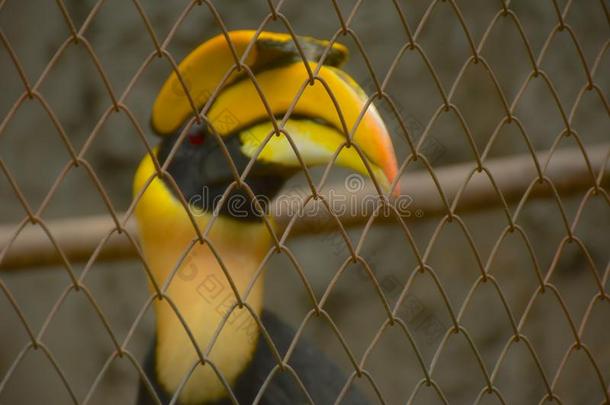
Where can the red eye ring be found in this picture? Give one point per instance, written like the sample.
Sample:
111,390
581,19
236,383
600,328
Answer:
196,136
196,139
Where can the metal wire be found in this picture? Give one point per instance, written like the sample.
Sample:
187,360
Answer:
77,285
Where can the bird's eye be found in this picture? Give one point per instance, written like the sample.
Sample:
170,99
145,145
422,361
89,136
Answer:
196,134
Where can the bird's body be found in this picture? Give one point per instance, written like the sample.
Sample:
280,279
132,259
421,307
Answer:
323,387
203,233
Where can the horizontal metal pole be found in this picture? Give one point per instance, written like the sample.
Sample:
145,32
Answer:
353,202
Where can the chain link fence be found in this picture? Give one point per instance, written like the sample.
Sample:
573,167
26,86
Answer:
489,285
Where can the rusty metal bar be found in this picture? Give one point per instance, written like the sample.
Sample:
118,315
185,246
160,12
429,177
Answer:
78,237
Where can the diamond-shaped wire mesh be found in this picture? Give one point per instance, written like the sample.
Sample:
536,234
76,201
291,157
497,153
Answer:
507,305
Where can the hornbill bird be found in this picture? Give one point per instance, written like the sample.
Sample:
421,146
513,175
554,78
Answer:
210,155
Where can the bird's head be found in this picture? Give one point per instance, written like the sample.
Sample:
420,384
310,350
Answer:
243,128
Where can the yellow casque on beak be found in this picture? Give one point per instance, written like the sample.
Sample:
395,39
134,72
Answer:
204,68
279,87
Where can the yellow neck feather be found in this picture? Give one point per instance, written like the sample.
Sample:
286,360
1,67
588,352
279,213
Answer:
199,290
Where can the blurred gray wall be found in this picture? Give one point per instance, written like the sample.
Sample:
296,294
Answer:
35,155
